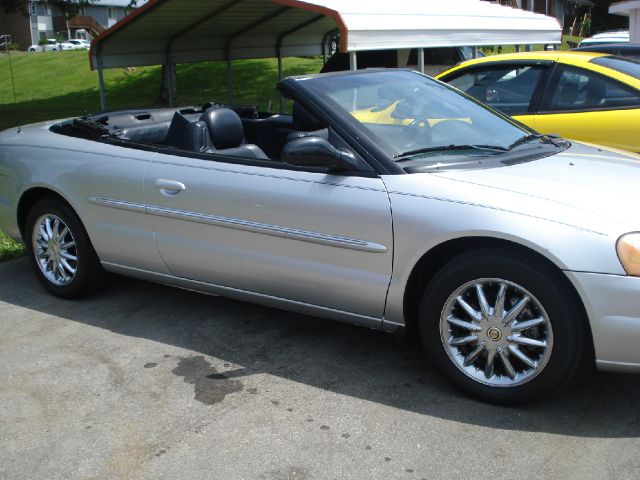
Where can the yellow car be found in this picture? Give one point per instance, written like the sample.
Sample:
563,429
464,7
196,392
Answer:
584,96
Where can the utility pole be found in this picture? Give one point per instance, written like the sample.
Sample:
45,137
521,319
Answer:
6,41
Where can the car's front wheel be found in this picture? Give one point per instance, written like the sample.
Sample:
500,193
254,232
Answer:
60,250
502,327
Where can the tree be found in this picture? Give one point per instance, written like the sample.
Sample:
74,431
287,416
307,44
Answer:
602,20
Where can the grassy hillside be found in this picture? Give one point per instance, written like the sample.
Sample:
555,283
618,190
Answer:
60,84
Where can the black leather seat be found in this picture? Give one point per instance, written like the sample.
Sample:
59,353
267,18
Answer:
305,125
187,135
227,134
152,133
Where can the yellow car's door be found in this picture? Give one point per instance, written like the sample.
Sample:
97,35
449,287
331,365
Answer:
580,104
613,128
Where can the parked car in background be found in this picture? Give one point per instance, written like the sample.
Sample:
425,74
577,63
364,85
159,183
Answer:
387,199
585,96
619,36
76,44
620,49
436,60
51,45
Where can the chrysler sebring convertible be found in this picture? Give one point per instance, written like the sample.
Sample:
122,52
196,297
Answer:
386,199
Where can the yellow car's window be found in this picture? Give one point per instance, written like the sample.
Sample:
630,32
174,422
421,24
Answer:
508,88
575,89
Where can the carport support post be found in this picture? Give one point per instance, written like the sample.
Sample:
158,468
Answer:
171,82
421,60
103,99
280,78
353,61
229,81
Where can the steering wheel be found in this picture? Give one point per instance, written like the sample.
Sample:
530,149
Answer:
417,134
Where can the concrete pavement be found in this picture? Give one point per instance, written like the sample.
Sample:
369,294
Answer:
145,381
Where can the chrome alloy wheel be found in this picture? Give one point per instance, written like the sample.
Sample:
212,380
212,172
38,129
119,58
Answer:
496,332
55,250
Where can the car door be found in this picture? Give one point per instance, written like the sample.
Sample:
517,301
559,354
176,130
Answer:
104,181
258,226
585,105
513,88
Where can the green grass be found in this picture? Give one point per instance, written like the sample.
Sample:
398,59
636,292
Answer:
53,85
568,42
9,249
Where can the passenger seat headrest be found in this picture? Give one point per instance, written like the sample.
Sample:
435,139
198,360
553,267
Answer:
303,120
225,127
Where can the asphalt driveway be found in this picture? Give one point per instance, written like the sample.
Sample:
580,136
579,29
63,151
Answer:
146,381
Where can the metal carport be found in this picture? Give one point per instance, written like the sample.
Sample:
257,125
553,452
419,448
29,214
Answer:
182,31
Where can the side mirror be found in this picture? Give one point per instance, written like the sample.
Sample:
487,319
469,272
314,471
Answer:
317,152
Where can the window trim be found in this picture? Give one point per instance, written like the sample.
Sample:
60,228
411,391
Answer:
553,80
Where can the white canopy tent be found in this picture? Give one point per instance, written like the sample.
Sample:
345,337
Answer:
183,31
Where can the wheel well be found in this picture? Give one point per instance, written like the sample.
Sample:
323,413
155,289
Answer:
438,256
29,199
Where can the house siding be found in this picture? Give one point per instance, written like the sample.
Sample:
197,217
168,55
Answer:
44,20
101,14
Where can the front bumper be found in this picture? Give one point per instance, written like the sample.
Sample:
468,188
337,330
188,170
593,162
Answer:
613,306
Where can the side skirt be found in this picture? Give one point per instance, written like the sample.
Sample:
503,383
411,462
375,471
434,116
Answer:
246,296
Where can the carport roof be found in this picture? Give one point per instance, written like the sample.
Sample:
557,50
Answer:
180,31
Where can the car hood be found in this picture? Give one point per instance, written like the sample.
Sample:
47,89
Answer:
587,187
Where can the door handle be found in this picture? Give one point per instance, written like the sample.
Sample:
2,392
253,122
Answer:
170,187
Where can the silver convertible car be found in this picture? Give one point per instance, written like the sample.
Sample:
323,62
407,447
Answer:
387,199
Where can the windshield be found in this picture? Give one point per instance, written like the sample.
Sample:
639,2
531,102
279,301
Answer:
415,116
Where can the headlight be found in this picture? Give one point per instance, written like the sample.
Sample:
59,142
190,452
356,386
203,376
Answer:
628,248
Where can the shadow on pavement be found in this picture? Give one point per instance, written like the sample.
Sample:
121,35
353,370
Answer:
348,360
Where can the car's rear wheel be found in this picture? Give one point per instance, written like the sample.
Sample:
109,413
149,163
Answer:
501,326
60,250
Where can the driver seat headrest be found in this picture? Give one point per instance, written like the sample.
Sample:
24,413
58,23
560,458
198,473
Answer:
225,127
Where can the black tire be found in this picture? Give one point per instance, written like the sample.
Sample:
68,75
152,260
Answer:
568,328
89,276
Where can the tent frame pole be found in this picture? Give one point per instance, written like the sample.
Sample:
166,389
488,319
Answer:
353,61
421,60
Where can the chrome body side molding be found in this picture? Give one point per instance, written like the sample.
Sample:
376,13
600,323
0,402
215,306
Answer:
120,204
266,229
238,224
